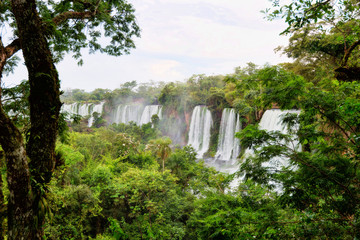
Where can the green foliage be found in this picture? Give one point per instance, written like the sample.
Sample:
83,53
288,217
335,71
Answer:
117,231
98,194
160,148
116,19
103,142
142,133
200,87
15,103
171,93
79,204
247,98
182,164
249,212
325,34
98,121
321,179
154,206
63,129
126,182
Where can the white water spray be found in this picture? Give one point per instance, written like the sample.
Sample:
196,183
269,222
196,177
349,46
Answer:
228,145
84,110
148,112
199,133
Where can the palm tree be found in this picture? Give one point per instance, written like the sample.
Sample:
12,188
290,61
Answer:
160,148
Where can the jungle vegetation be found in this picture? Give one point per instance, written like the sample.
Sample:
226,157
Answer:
64,180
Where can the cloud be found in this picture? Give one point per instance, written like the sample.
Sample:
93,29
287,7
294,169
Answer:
166,70
206,29
203,38
181,38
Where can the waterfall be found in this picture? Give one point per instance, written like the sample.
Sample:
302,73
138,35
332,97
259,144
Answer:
98,108
148,112
69,108
135,113
228,144
271,121
83,109
199,133
127,113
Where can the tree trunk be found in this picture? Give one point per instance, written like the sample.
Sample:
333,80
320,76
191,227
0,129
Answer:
20,213
44,113
2,204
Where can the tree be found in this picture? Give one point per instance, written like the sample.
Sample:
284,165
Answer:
152,202
325,29
247,101
160,147
2,199
322,179
40,30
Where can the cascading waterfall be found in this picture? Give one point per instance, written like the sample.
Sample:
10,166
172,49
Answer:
271,121
70,108
84,110
127,113
98,108
81,109
148,112
199,133
228,144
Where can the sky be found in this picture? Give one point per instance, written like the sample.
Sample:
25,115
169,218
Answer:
180,38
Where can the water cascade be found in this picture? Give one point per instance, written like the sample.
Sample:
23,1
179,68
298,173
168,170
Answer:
98,108
228,145
127,113
136,113
148,112
271,121
83,109
70,108
199,133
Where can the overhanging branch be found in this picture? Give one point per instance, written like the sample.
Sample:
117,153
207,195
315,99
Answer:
349,51
8,51
72,15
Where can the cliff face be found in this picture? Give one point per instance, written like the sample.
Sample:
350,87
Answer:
187,116
176,125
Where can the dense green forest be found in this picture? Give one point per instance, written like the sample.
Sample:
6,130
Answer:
63,179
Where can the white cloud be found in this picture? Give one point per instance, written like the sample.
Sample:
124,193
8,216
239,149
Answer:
166,70
181,38
204,38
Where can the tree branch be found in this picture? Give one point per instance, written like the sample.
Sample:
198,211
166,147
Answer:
349,51
323,173
72,15
12,48
8,51
316,5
